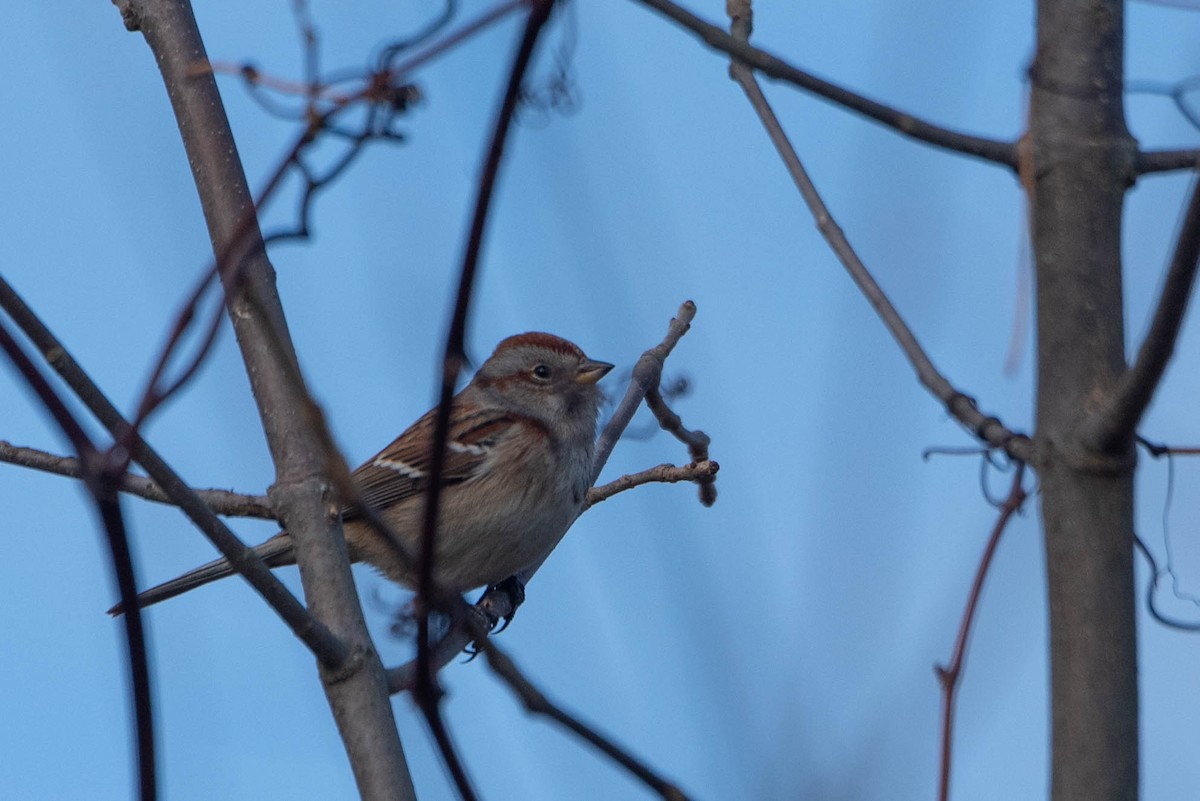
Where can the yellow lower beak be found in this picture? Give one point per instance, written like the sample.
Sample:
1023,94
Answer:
591,371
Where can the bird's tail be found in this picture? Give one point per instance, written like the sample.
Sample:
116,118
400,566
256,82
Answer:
276,552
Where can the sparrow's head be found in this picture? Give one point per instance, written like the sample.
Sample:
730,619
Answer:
547,378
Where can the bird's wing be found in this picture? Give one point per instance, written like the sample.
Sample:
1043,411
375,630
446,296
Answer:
400,471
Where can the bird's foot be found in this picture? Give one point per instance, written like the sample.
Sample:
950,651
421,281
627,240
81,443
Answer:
513,590
507,595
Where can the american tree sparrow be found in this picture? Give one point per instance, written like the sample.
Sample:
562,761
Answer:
518,465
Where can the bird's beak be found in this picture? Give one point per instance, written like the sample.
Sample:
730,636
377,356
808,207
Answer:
591,371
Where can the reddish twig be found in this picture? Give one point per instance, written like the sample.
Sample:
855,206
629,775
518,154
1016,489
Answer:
468,30
949,675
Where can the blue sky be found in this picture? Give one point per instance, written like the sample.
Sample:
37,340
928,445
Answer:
778,645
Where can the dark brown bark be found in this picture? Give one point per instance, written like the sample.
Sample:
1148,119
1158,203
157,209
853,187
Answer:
1082,165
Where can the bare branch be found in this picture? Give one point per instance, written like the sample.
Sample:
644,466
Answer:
469,29
647,375
962,407
949,676
1158,450
987,149
223,502
537,703
386,96
696,441
663,474
320,640
1166,160
1114,425
354,684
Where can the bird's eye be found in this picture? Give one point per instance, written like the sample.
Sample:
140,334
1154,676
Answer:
541,372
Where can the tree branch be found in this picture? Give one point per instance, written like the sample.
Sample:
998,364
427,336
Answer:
962,407
1115,425
1166,160
663,474
355,687
697,441
536,702
992,150
223,502
647,375
1158,450
319,639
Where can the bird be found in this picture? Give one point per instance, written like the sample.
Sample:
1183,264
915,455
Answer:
518,465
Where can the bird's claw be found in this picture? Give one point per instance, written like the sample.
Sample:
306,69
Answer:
514,590
485,621
512,587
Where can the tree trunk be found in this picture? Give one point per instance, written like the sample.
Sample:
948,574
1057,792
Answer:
1082,165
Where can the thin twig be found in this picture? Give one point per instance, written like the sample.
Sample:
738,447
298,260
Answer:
961,406
1157,450
663,474
949,675
647,375
101,485
320,640
231,257
423,34
378,90
223,502
697,441
906,124
536,702
300,230
1156,575
953,450
1166,160
1113,426
364,85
